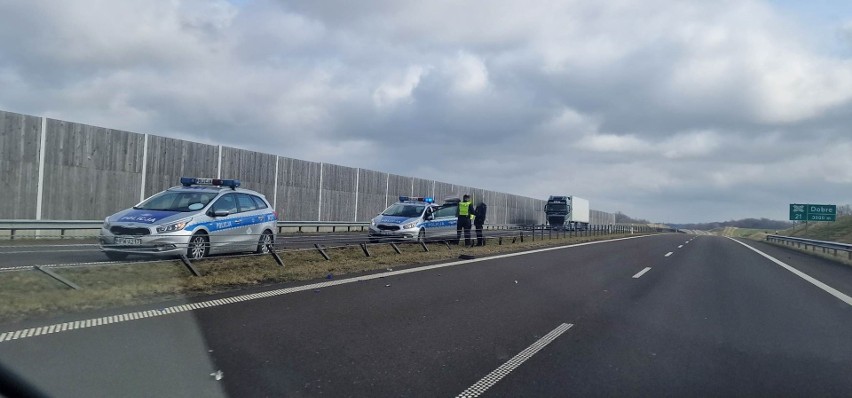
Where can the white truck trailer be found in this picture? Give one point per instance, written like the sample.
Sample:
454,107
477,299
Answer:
567,212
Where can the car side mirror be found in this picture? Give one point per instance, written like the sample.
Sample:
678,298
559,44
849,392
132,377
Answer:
221,213
429,216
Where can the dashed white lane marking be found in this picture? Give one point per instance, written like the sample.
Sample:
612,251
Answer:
832,291
669,254
492,378
75,325
681,246
642,272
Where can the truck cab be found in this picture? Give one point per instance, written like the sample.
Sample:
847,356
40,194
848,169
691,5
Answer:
567,212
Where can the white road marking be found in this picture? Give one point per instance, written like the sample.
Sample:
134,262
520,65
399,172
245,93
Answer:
642,272
280,292
94,250
832,291
492,378
681,246
669,254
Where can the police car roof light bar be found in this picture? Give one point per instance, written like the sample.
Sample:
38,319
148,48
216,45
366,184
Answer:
416,199
190,181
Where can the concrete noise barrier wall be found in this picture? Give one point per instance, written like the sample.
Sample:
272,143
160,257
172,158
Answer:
58,170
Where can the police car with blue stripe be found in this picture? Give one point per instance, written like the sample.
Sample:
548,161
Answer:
416,219
201,216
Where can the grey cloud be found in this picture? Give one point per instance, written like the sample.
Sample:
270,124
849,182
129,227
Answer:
672,111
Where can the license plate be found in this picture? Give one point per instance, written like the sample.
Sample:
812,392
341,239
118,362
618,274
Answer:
128,241
386,232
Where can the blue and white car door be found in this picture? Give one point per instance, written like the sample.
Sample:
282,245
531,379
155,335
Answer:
443,223
251,219
227,233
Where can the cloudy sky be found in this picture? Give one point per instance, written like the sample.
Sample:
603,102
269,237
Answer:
674,111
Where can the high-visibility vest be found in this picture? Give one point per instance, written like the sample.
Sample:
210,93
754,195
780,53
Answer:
464,208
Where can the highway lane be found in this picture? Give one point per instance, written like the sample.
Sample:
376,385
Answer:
58,252
649,316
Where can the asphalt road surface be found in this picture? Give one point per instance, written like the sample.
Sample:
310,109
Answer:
663,315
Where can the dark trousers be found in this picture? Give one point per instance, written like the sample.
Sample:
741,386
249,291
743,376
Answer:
463,223
480,240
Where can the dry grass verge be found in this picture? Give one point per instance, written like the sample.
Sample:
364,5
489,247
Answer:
31,294
841,257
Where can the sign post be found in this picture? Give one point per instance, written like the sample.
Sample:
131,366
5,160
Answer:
812,212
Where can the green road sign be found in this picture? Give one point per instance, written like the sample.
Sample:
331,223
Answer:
810,212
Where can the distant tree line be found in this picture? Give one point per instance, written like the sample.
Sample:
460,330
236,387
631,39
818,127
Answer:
621,218
753,223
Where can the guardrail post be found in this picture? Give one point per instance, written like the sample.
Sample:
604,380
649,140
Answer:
58,277
395,247
275,256
423,245
322,251
188,265
364,248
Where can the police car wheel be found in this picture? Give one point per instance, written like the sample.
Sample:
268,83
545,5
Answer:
264,242
116,256
198,247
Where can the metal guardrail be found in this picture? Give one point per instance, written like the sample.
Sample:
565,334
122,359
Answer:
14,226
802,243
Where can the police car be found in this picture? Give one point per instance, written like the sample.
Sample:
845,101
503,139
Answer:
200,217
415,218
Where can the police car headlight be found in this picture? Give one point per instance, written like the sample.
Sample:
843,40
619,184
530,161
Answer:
175,226
106,223
409,225
373,222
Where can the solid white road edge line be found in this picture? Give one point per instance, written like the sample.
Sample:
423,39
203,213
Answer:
832,291
73,325
669,254
642,272
492,378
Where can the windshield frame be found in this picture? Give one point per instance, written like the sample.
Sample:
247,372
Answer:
419,208
177,199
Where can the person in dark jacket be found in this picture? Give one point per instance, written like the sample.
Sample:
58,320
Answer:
479,221
464,213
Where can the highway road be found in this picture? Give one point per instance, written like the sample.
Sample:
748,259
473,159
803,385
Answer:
661,315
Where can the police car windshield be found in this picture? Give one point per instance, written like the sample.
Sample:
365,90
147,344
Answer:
177,201
404,210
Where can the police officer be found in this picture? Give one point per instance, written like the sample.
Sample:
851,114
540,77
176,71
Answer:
479,221
464,213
